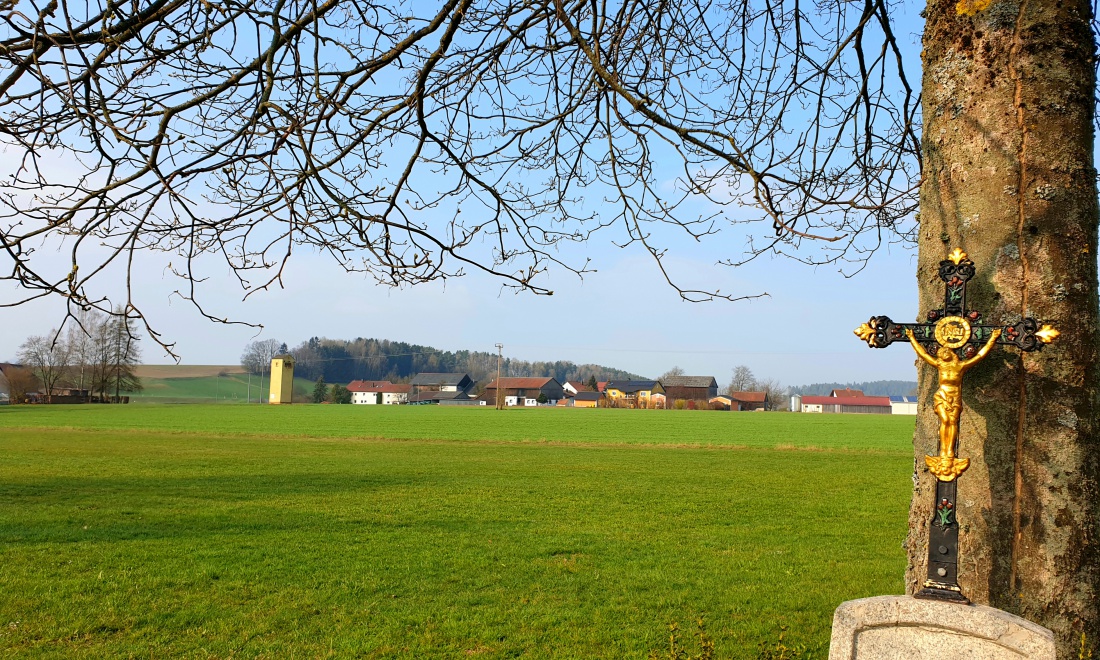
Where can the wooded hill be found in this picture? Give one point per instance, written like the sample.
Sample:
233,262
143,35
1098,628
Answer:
342,361
870,388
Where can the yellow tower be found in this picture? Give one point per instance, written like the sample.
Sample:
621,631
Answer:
282,379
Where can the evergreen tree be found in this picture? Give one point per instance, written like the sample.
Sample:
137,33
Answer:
123,353
340,394
320,390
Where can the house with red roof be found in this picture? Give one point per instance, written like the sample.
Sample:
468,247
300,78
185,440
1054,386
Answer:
378,392
750,401
571,387
875,405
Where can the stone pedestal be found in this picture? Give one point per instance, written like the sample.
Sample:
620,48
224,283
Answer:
906,628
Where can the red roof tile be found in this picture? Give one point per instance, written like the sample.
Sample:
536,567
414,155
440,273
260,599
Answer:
847,400
383,386
749,397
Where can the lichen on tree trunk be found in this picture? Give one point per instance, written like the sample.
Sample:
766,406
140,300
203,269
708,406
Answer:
1008,177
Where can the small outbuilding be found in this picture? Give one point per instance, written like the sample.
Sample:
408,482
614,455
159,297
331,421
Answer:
751,401
589,400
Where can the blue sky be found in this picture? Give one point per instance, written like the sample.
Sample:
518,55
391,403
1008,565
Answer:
623,315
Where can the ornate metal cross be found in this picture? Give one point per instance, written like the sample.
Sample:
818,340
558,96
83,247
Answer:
953,340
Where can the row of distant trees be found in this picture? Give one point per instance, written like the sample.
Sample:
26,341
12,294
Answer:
97,353
342,361
322,393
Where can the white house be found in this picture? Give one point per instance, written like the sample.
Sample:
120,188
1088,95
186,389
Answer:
378,392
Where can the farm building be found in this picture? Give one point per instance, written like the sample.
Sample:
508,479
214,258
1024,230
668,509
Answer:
588,400
698,388
433,388
426,382
750,401
879,405
846,392
378,392
524,391
721,402
571,387
903,405
431,396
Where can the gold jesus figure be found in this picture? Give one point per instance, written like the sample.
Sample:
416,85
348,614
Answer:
947,403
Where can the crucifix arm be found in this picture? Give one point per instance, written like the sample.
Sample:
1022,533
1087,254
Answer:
920,349
985,349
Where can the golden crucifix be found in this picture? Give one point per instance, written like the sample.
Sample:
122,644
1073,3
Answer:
959,340
947,403
955,329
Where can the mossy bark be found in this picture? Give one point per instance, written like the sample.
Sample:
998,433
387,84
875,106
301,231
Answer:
1009,178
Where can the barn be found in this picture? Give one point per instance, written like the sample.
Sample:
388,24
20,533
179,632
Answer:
874,405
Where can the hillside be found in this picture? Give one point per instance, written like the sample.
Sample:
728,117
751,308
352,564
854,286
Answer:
341,361
202,384
186,370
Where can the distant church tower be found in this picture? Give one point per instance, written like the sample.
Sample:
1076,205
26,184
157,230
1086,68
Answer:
282,379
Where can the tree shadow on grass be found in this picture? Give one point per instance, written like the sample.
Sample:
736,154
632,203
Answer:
82,509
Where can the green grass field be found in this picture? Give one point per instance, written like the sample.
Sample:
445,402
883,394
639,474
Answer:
412,532
230,388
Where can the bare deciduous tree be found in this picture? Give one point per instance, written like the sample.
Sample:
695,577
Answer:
47,358
257,355
21,382
415,144
742,379
776,393
671,373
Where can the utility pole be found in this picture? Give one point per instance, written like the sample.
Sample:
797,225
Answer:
500,354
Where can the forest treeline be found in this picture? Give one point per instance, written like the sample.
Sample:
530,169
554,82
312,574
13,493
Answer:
342,361
870,388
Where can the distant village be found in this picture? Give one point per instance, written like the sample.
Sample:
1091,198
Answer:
460,389
75,371
677,392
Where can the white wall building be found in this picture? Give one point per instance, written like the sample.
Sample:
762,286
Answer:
378,392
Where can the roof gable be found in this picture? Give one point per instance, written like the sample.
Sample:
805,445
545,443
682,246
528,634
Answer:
523,383
429,379
689,381
632,385
750,397
384,386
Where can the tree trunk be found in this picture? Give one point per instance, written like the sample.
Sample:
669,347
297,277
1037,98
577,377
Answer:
1009,178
